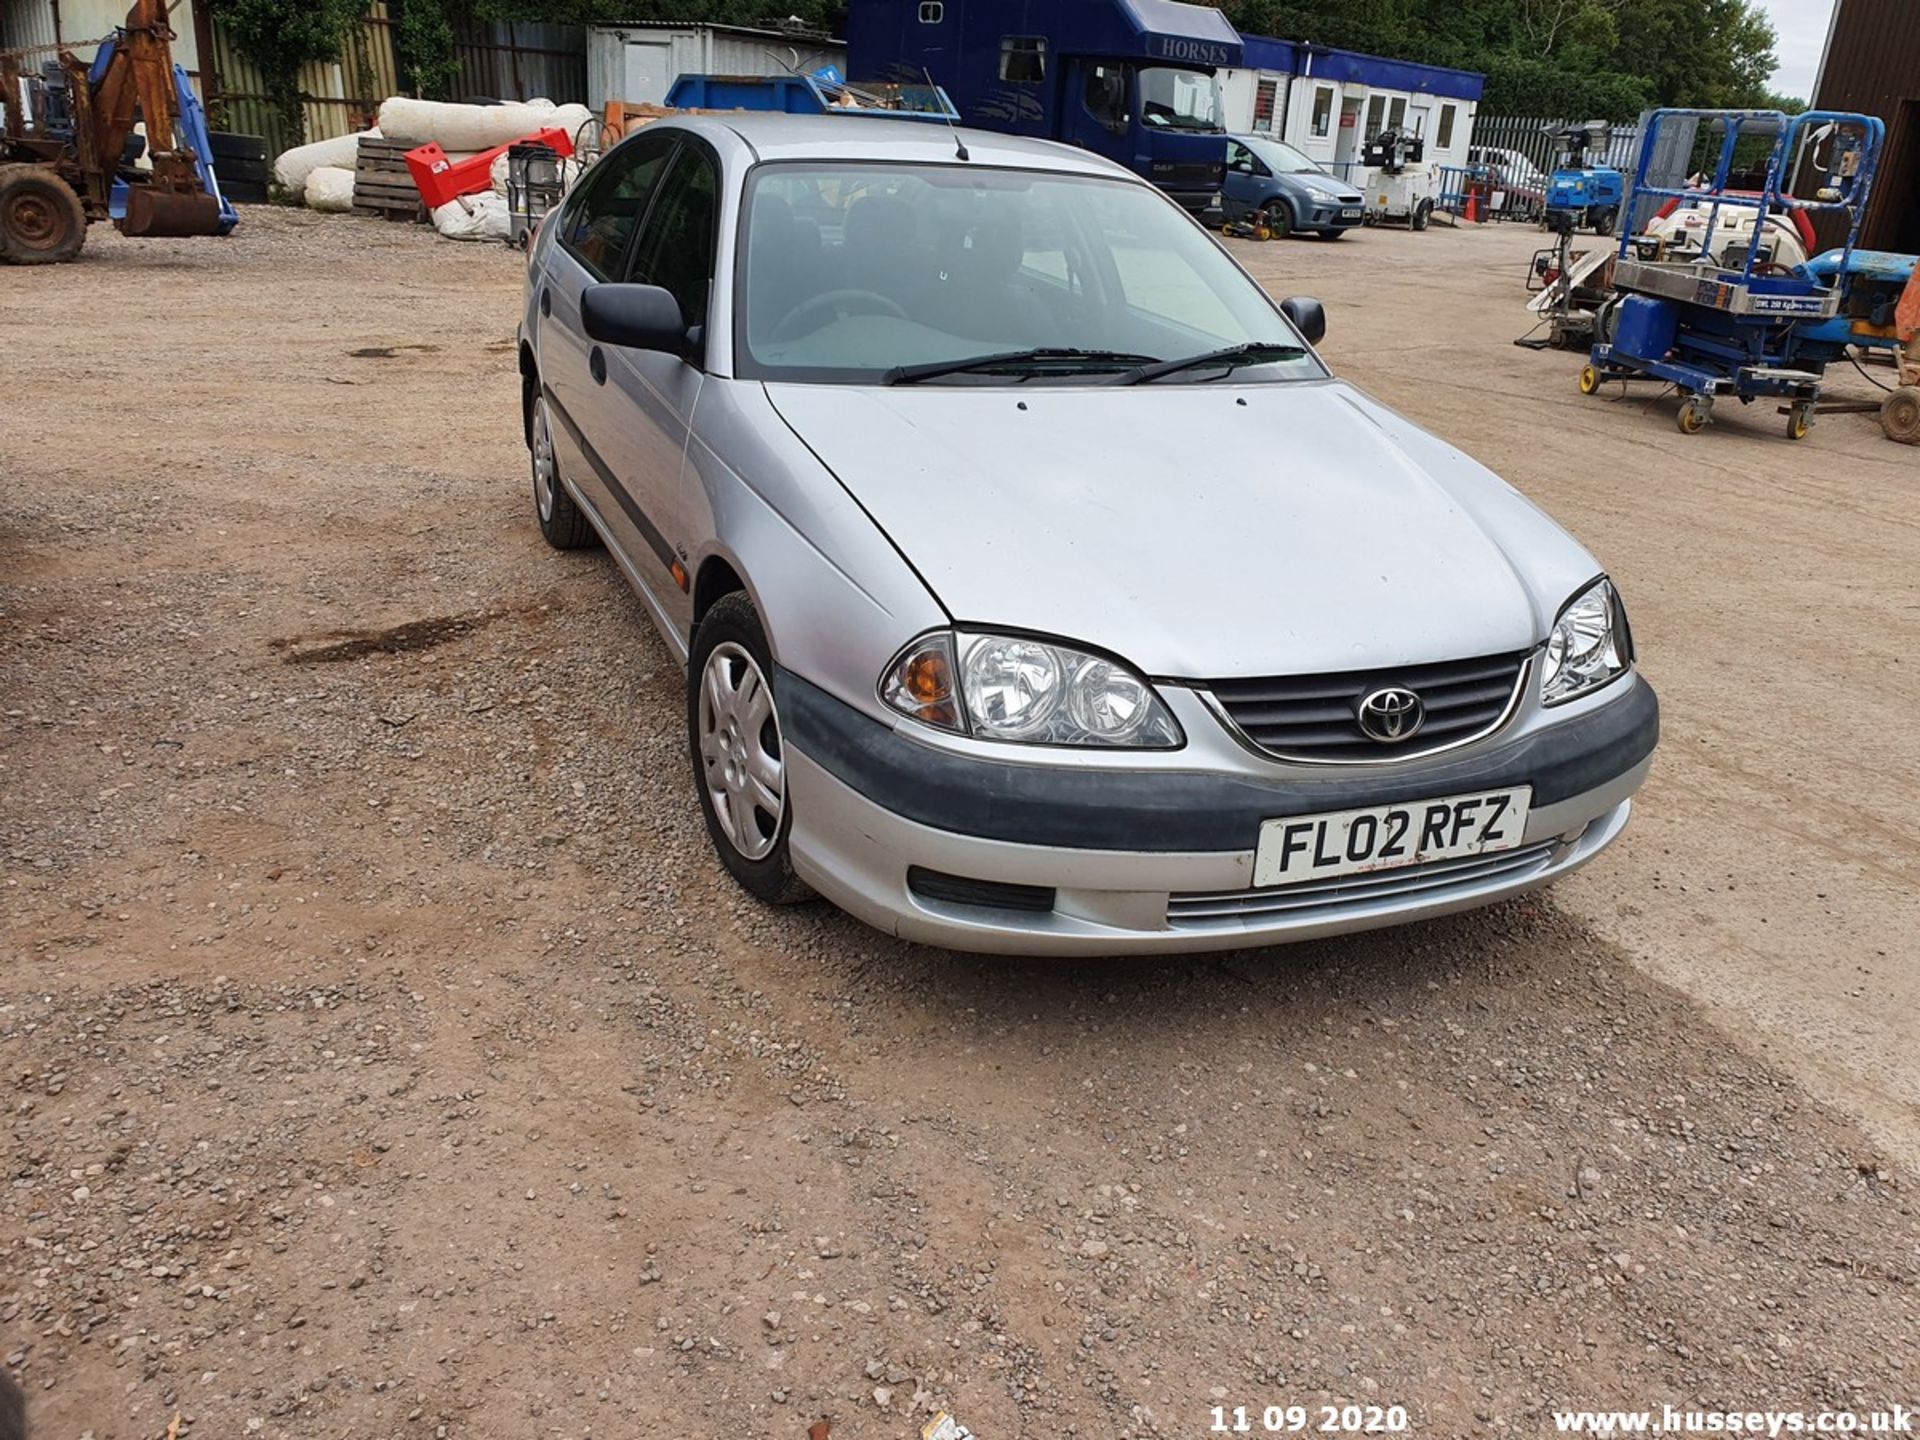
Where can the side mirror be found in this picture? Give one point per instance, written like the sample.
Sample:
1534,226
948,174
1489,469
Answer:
1309,317
638,317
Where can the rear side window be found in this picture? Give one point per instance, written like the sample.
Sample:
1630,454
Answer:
676,248
599,226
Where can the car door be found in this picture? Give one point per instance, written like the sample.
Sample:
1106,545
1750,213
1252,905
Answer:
597,228
652,392
1246,186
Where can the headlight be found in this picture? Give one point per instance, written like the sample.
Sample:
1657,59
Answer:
1013,687
1588,646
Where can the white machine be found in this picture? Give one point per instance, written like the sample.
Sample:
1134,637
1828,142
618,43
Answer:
1401,189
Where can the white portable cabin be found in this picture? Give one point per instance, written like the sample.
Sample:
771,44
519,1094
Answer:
638,61
1328,103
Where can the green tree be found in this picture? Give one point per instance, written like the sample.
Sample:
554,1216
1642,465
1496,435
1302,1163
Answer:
279,36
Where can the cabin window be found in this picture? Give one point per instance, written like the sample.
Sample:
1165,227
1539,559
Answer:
1023,59
1322,111
1376,116
1397,115
1444,136
1263,94
932,12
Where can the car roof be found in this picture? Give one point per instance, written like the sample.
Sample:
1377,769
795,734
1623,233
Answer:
774,136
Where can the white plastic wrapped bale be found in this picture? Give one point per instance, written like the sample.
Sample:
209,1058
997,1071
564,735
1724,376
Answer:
293,167
474,127
473,217
330,188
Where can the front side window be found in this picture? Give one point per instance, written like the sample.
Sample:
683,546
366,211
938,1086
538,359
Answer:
598,226
675,250
1239,158
1105,95
1179,99
1023,59
1322,111
849,272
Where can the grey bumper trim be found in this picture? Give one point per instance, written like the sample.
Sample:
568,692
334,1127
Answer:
1164,811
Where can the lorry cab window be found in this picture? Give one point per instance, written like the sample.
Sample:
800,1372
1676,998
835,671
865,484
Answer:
1179,99
1106,94
1023,59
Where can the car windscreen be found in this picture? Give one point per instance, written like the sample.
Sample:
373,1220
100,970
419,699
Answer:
1283,159
851,272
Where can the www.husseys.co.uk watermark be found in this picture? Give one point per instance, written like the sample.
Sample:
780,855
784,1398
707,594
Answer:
1670,1420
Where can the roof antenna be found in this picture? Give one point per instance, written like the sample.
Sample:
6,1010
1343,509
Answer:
959,145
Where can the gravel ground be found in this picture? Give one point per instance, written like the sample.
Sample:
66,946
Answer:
387,1055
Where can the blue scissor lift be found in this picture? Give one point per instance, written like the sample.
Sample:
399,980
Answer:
1712,323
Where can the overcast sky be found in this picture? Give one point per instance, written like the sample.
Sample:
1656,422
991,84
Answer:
1801,26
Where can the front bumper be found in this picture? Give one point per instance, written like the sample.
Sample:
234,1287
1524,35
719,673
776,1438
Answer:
1162,861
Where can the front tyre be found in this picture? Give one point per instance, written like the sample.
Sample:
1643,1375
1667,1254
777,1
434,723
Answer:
739,754
1279,218
561,521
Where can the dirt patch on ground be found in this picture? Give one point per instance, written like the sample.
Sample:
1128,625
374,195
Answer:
386,1054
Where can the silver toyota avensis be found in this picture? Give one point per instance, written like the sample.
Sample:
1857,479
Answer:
1039,588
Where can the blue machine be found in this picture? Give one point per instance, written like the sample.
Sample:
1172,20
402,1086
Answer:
1592,194
1132,80
1709,329
821,93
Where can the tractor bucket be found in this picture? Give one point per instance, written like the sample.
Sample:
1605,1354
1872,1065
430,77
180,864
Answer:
167,212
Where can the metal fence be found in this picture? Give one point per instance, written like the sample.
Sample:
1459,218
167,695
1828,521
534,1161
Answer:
1527,134
337,97
521,61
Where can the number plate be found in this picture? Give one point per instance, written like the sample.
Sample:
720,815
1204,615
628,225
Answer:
1385,837
1351,212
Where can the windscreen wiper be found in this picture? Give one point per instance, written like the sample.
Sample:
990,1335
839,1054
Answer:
1259,352
1008,359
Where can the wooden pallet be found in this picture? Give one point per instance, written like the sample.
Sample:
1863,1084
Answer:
382,185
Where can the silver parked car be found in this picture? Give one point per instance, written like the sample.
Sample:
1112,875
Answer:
1040,590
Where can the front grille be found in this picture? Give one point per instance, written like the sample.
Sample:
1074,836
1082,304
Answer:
1314,717
1431,881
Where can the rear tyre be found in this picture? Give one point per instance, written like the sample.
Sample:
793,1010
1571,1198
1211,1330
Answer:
561,521
1900,415
739,754
1421,213
1279,219
41,219
1605,220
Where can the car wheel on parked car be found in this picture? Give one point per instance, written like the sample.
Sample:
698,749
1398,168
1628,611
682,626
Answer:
561,521
1279,219
739,758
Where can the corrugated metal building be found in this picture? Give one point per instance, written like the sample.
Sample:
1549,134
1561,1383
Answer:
1872,64
638,62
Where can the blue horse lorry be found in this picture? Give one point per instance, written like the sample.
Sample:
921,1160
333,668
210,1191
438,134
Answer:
1133,80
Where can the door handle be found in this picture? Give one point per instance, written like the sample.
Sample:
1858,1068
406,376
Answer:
597,365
